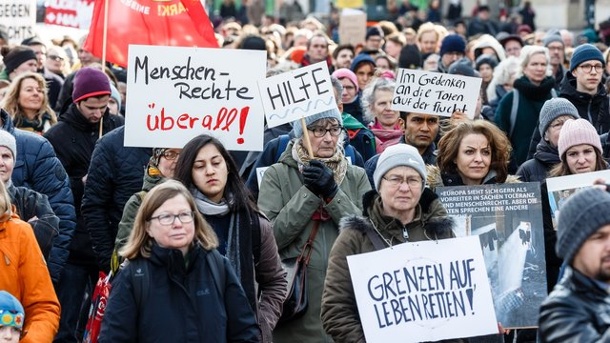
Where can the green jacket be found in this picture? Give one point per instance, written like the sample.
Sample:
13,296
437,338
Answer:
290,205
339,309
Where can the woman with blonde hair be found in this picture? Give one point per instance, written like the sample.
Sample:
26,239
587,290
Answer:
176,287
28,103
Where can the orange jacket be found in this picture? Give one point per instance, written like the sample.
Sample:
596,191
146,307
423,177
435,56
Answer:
24,274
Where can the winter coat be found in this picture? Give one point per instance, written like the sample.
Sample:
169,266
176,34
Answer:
181,304
576,311
437,179
74,138
24,274
531,99
339,309
537,168
360,137
38,168
115,174
593,108
30,204
290,207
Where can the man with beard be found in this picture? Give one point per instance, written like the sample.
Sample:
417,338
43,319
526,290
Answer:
577,309
420,131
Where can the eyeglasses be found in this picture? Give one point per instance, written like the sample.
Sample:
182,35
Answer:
412,182
170,155
55,58
588,67
558,125
321,131
168,219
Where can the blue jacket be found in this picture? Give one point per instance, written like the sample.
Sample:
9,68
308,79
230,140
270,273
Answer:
38,168
178,303
115,174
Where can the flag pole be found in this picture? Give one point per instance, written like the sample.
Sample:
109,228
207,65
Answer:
105,35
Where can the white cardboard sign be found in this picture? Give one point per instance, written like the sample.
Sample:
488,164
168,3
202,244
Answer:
436,93
299,93
177,93
423,291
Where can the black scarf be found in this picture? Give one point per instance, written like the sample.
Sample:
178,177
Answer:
533,92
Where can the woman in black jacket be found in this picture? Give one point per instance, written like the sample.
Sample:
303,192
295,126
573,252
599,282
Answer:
176,287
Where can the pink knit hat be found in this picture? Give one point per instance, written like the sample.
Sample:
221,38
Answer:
343,73
576,132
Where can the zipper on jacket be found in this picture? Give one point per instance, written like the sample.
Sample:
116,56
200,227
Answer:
405,233
589,111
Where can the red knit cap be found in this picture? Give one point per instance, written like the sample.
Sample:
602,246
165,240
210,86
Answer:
90,82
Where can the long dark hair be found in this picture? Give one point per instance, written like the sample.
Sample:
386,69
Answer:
242,198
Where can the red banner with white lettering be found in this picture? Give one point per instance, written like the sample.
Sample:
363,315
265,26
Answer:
148,22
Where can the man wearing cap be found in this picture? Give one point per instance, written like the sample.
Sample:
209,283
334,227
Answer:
401,209
54,82
584,86
577,309
74,138
552,41
453,47
512,44
306,196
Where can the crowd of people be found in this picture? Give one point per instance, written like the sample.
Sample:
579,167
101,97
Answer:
195,236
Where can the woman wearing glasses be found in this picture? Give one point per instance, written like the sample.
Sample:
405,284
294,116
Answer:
161,167
176,287
245,236
400,210
57,61
305,196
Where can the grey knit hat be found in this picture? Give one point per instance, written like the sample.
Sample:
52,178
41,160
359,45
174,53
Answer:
553,109
331,114
7,140
399,155
552,36
583,214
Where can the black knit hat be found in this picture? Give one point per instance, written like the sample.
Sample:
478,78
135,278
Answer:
453,43
486,59
410,57
582,215
17,56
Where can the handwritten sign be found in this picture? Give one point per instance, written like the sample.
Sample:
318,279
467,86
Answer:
424,291
18,18
507,218
352,26
441,94
177,93
299,93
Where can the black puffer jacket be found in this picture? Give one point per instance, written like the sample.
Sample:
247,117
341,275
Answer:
115,174
578,310
537,168
74,138
592,108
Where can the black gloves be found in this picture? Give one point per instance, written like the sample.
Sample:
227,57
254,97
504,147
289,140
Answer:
318,178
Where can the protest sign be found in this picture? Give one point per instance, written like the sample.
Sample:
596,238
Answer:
299,93
560,188
348,4
18,17
508,220
70,13
435,93
177,93
423,291
352,26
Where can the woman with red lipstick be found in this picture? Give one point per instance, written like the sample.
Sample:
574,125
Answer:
471,153
245,236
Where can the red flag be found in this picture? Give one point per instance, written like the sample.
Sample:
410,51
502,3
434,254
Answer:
148,22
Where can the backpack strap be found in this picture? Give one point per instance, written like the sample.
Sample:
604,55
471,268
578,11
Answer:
216,263
284,139
375,238
513,112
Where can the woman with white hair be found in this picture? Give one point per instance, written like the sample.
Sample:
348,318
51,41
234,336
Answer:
518,117
385,123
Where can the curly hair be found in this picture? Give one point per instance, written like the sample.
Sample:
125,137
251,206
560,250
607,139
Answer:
449,145
11,100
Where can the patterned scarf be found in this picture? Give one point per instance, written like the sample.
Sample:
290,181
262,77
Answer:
337,162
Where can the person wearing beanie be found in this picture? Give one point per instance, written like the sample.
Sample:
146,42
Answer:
485,65
553,115
114,103
453,47
576,310
24,274
373,40
17,60
363,66
350,96
410,57
580,149
304,197
12,316
552,41
73,138
161,167
400,210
